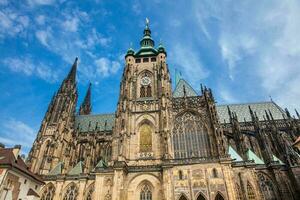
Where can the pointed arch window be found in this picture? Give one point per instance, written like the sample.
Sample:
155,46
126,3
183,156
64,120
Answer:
267,187
238,192
146,193
145,138
190,137
90,192
250,192
71,193
215,173
182,197
201,197
219,197
48,193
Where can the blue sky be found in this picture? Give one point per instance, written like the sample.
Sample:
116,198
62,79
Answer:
245,51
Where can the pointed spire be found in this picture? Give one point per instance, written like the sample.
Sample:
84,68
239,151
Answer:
147,40
86,106
72,74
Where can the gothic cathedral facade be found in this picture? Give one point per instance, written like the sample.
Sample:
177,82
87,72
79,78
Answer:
164,144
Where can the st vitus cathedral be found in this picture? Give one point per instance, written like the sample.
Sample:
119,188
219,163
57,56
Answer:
164,144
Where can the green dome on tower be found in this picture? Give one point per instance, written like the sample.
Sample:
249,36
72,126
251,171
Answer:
161,49
130,52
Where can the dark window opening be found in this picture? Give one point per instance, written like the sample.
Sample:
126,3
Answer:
180,175
138,60
145,59
142,92
153,59
215,173
149,91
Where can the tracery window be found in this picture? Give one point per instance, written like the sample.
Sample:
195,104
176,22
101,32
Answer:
71,193
238,192
146,193
190,137
89,195
250,192
48,193
267,187
145,138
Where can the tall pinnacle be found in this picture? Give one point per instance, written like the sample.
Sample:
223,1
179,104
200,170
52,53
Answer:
72,74
86,107
147,40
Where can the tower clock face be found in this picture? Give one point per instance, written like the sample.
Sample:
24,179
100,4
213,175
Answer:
145,81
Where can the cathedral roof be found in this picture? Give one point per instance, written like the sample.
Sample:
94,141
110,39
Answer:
78,169
179,89
102,122
57,169
243,114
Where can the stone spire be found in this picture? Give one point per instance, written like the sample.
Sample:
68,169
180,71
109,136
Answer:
72,74
86,106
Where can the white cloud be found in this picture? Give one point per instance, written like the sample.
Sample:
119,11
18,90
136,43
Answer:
16,132
186,59
41,2
106,67
71,24
43,36
40,19
260,40
12,23
26,66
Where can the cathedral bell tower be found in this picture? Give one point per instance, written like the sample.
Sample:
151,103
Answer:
142,126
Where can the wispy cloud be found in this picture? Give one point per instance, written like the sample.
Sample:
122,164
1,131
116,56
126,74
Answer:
187,59
12,23
105,67
15,132
26,66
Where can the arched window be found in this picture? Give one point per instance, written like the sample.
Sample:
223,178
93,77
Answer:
200,197
219,197
48,193
145,138
142,91
215,173
146,193
180,175
267,187
238,192
149,93
190,137
89,195
250,192
182,197
71,193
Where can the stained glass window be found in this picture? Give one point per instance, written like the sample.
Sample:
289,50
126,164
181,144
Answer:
190,137
250,192
71,193
48,193
146,193
267,187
